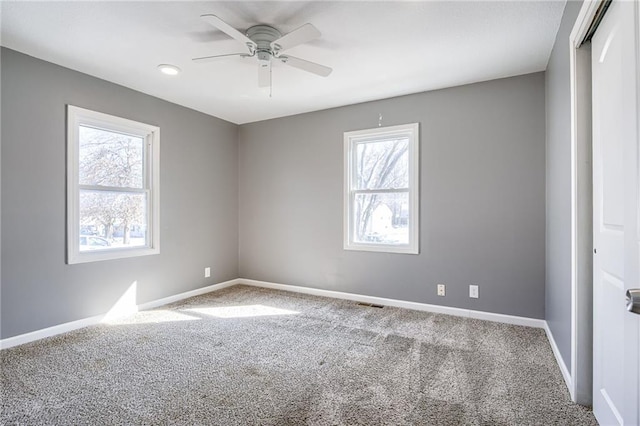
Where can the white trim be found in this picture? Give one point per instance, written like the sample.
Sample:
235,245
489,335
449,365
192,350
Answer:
467,313
578,32
412,132
85,322
151,134
49,331
556,352
583,22
574,232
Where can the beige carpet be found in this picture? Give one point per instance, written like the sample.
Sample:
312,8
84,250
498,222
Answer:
253,356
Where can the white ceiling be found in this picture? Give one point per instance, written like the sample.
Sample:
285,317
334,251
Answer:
376,49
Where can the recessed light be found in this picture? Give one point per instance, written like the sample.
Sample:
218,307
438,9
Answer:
169,69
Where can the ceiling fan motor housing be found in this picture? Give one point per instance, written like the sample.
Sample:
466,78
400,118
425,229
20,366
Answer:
266,43
263,35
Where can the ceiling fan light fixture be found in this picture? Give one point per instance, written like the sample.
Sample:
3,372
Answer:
169,69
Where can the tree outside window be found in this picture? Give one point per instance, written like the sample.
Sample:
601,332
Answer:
111,169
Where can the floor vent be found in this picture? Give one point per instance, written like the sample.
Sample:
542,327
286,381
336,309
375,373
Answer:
370,305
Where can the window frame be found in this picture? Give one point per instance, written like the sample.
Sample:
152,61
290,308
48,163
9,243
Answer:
77,117
351,140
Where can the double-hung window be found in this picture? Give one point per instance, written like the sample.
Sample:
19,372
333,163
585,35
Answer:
381,189
113,194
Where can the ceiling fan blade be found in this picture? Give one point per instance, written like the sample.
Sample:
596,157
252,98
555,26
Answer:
264,74
205,59
309,66
213,20
305,33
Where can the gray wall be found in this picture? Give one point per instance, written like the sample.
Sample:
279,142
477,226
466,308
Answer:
558,178
199,199
279,183
482,210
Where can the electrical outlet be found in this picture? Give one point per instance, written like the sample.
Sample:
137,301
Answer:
441,290
473,291
207,272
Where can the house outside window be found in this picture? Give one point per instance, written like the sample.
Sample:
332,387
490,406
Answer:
113,193
381,194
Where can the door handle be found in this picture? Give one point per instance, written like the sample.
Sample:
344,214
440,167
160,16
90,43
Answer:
633,300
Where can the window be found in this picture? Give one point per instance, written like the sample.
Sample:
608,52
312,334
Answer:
112,187
381,189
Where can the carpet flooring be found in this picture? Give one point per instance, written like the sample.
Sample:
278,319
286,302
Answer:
250,356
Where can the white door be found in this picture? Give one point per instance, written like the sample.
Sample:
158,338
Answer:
616,382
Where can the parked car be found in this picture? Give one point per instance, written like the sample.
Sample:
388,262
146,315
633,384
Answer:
373,237
92,242
89,230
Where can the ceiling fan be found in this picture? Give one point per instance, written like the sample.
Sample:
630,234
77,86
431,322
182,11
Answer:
267,44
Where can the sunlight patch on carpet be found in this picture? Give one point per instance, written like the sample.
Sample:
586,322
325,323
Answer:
152,317
242,311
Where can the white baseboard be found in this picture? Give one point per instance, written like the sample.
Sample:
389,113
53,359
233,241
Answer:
85,322
49,331
563,367
468,313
